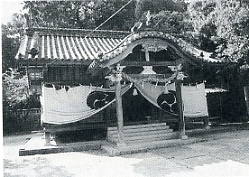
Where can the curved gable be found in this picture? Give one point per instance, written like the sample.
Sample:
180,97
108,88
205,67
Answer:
151,41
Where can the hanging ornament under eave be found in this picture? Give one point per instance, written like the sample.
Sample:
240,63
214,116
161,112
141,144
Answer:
181,76
148,70
134,92
166,89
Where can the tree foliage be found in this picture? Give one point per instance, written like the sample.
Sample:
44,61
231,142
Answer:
89,14
162,15
11,34
223,24
86,14
15,87
9,50
158,6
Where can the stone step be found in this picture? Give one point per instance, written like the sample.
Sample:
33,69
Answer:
143,129
138,126
114,134
137,147
142,133
147,138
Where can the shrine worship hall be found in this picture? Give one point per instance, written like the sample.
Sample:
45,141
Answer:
123,87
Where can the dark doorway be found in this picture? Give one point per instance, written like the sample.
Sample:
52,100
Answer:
136,107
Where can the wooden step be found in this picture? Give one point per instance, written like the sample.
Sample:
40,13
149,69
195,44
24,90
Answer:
138,126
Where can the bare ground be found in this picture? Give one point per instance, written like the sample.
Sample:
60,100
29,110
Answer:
222,154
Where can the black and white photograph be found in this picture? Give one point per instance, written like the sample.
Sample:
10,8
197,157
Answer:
125,88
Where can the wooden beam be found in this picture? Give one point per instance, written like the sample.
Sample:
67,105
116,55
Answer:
50,62
150,63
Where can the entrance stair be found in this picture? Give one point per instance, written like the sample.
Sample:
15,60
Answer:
142,133
140,138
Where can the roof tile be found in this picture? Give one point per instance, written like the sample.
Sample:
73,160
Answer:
65,44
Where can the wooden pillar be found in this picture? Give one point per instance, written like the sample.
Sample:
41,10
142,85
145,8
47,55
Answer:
47,138
147,54
119,108
246,93
206,118
182,134
206,122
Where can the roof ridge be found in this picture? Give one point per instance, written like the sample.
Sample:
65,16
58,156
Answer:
77,31
74,29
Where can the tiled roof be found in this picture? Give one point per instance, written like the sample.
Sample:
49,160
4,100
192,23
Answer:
40,44
65,44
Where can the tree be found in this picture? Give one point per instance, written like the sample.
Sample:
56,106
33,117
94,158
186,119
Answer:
9,50
11,35
226,22
162,15
79,14
157,6
15,88
90,14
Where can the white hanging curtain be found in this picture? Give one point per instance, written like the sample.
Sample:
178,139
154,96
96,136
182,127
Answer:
161,96
71,104
164,97
194,101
